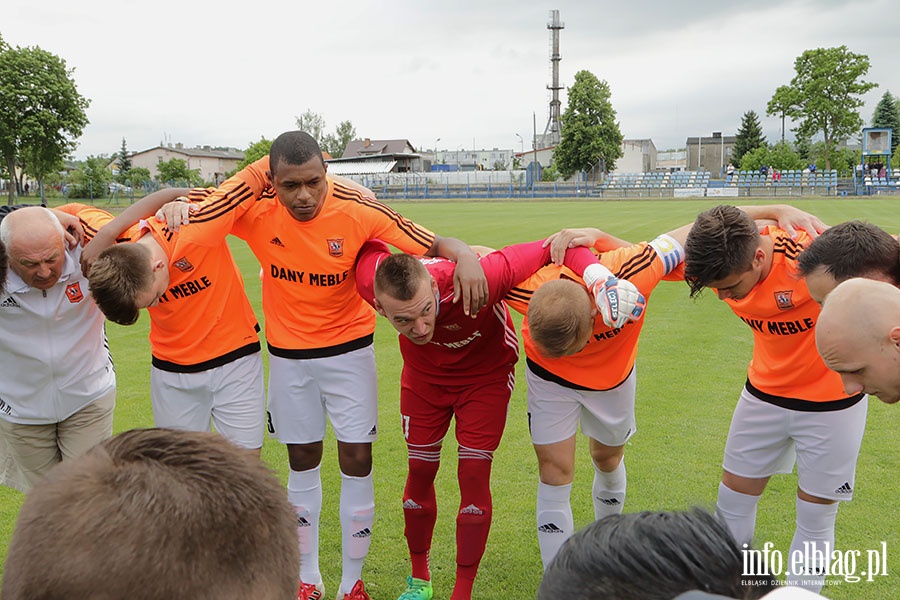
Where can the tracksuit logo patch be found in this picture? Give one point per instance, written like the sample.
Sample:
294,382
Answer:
73,292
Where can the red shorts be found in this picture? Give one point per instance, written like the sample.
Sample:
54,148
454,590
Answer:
480,410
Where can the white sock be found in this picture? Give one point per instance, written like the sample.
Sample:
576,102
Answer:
555,523
608,490
738,512
814,541
305,493
357,517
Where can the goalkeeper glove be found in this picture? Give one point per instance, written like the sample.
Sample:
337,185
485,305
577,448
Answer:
618,300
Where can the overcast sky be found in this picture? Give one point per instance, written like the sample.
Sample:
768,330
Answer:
468,72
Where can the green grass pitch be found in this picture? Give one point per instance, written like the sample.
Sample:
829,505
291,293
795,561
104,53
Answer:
691,365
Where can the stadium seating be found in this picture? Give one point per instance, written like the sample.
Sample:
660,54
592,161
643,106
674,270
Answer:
655,180
789,178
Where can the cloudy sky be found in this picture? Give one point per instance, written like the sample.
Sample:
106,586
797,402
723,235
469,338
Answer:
468,72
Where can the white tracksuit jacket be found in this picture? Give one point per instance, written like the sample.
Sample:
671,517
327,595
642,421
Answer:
54,357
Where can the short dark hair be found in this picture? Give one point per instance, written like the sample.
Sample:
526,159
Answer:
116,277
400,276
853,249
293,148
721,243
651,556
156,513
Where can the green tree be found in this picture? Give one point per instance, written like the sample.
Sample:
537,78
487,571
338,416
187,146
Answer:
41,111
589,133
785,97
335,143
782,156
176,170
253,153
137,176
826,99
312,123
749,137
887,114
123,162
90,179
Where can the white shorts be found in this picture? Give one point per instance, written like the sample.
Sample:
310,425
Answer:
343,387
765,439
232,395
555,410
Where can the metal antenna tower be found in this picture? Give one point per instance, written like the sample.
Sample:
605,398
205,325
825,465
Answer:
551,131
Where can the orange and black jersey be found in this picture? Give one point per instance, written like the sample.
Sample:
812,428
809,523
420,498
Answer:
609,356
308,276
782,316
204,319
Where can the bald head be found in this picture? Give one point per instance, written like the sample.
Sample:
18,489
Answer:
858,336
35,242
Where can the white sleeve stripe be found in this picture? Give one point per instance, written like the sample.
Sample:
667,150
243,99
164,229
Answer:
669,250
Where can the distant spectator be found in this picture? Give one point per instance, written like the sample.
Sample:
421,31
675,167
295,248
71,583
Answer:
729,170
812,167
764,171
152,514
650,555
776,175
882,172
26,189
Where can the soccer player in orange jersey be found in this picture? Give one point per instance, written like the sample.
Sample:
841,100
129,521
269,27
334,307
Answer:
590,380
792,408
206,357
306,229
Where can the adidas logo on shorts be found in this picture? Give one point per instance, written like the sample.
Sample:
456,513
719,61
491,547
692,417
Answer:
609,501
411,505
549,528
374,430
276,242
471,510
844,489
363,533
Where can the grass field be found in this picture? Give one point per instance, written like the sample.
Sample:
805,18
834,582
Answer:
691,366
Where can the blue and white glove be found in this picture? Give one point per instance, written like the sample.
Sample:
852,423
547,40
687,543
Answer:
618,300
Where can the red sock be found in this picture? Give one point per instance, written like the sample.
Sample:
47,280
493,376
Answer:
473,522
420,514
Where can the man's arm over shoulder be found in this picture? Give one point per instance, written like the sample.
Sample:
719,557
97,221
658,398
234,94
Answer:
514,264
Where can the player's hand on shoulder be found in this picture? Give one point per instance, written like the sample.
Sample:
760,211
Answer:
470,284
791,219
71,226
564,239
176,213
618,300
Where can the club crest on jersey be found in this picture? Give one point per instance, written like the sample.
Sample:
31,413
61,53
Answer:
783,299
183,264
336,247
73,292
452,327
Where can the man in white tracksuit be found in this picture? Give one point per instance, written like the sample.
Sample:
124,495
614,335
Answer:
58,384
